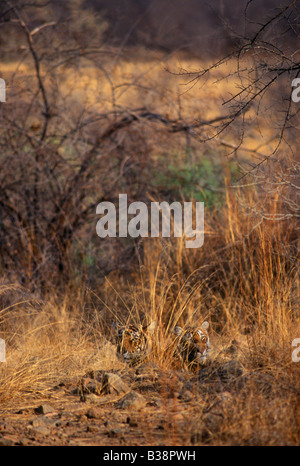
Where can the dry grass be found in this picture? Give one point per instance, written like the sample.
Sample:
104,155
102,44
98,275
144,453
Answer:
48,344
244,280
243,283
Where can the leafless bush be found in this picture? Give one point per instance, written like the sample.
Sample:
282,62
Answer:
60,155
261,108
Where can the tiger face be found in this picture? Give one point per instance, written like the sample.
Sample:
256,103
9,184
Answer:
192,345
133,341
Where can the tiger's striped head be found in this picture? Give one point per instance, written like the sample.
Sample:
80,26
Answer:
133,341
192,345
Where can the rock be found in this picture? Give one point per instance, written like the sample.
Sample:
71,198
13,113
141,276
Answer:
23,442
44,409
93,429
94,413
92,398
43,421
131,400
116,432
42,430
99,400
5,442
113,384
38,422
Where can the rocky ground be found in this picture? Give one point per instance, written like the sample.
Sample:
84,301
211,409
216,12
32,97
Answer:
145,405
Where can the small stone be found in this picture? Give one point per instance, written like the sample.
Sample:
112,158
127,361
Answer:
131,400
5,442
113,384
92,398
115,433
44,409
98,400
94,429
37,422
43,421
94,413
42,430
23,442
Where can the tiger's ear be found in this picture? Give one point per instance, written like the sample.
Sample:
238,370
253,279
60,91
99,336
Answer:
205,325
150,327
178,330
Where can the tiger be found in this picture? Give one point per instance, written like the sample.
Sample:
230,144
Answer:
191,346
133,341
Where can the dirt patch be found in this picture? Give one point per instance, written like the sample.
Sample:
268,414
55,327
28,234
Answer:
227,402
144,406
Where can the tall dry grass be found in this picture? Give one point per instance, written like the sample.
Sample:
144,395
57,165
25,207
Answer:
47,342
244,280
